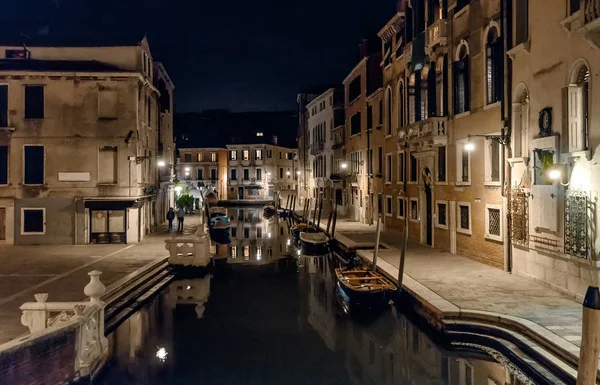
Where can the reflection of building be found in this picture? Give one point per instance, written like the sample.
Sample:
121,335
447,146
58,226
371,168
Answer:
80,136
325,114
259,171
362,81
203,170
192,291
255,239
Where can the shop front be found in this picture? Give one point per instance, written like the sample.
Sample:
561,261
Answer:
108,221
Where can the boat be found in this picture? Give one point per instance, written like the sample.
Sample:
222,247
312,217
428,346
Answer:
301,228
363,287
217,211
269,210
314,243
211,198
219,223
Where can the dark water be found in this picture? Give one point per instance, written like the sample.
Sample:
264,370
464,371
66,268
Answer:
270,317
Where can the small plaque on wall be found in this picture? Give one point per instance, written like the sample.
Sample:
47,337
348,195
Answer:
74,177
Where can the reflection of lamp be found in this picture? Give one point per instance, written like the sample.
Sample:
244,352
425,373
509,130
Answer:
161,163
187,169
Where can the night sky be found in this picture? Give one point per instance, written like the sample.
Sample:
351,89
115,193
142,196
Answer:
239,55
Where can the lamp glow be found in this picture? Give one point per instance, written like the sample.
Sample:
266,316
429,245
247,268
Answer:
554,174
469,146
344,165
288,173
187,169
161,163
178,189
162,354
297,172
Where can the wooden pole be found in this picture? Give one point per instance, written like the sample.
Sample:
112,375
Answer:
304,209
590,338
334,221
329,217
320,211
402,258
376,252
293,205
315,213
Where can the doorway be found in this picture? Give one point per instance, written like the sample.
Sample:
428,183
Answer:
429,212
240,193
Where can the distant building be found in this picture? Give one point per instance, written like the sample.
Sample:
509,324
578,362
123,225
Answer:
81,131
203,170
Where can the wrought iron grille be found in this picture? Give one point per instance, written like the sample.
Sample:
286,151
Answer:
442,214
576,223
519,216
494,221
464,218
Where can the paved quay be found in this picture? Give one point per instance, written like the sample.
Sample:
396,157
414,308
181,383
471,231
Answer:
452,285
61,271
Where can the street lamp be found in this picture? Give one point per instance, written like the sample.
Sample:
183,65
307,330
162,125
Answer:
298,172
469,146
288,173
161,163
344,165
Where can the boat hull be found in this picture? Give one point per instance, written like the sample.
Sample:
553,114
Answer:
311,248
378,291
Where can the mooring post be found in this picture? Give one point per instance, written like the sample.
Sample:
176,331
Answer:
334,221
590,338
402,258
314,221
287,202
376,252
320,211
293,205
329,217
305,210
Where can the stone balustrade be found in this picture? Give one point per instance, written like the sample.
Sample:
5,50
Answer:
189,251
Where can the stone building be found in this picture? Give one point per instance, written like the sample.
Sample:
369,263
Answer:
80,128
554,89
203,171
261,171
442,65
325,114
362,81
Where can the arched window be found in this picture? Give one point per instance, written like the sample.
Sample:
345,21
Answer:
388,111
411,99
432,90
461,79
578,105
401,118
493,65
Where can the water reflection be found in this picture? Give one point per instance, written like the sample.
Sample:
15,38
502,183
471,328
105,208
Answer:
254,238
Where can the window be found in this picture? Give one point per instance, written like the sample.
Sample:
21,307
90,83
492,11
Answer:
441,216
493,65
412,101
578,106
401,207
464,217
199,173
388,168
355,122
258,174
380,112
380,160
441,164
213,156
401,167
388,112
280,172
107,165
493,222
269,153
233,155
414,209
258,155
388,206
149,106
187,157
463,163
199,157
33,221
574,6
461,80
413,168
401,119
233,251
233,174
245,155
107,103
213,174
3,105
521,12
354,89
34,102
34,170
379,204
369,117
493,164
3,165
370,161
246,174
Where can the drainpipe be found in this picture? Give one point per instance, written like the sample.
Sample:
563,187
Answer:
369,176
506,118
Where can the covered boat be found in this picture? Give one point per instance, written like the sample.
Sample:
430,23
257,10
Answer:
364,287
269,210
219,223
314,243
217,211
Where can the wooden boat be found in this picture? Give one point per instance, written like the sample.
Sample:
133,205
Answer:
217,211
364,287
314,243
219,223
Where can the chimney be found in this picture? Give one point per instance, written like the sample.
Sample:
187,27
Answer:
400,5
364,49
274,140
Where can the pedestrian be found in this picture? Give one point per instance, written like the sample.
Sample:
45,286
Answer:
180,215
170,217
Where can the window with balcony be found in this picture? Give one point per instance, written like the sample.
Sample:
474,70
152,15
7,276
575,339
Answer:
245,155
388,112
578,107
493,65
431,90
461,80
233,155
412,103
34,102
460,4
355,122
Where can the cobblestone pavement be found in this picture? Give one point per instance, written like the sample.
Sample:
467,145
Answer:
61,271
471,285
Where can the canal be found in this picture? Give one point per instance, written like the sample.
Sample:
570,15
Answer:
264,315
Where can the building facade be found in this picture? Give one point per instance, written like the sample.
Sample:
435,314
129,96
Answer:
302,99
203,171
261,172
325,113
80,143
553,92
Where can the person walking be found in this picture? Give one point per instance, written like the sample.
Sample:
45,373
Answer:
170,217
180,215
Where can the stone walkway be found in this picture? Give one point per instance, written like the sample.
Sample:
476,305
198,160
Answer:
459,284
61,271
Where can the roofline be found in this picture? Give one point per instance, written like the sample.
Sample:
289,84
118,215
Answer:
259,144
318,98
353,71
390,23
201,148
374,94
163,73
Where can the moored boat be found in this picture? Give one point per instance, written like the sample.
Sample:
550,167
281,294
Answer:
314,243
219,223
269,210
217,211
365,287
